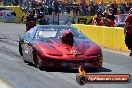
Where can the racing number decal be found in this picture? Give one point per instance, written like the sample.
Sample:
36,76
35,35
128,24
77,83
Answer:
73,52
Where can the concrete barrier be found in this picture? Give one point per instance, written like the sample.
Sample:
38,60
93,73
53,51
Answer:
107,37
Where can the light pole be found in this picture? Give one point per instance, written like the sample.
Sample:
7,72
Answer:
44,7
58,14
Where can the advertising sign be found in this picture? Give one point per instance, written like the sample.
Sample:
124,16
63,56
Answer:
7,15
11,14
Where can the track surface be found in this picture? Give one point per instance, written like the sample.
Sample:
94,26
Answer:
24,75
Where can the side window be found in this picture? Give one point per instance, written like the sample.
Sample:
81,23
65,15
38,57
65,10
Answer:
32,32
36,34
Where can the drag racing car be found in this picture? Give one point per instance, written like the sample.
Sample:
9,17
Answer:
59,46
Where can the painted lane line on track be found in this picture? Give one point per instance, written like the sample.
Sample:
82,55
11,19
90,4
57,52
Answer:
3,84
117,52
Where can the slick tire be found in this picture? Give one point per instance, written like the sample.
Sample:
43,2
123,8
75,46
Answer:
37,60
21,51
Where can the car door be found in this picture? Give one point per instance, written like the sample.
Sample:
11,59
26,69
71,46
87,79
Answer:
28,44
24,46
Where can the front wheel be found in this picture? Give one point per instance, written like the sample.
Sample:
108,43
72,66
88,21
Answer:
91,69
37,61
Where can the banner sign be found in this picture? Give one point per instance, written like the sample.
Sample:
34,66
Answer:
11,14
7,15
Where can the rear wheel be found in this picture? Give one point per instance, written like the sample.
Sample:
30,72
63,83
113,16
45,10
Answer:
21,51
39,63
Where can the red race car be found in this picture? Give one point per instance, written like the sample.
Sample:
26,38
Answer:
120,20
59,46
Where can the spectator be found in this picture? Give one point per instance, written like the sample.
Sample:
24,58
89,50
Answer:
130,12
50,9
121,7
108,6
92,8
41,19
128,37
101,6
96,8
127,7
114,6
15,2
110,18
30,20
104,16
97,19
56,7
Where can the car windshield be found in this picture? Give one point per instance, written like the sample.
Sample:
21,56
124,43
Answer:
121,18
48,32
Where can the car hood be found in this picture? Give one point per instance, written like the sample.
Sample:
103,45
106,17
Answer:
56,47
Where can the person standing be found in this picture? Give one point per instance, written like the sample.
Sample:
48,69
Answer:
30,20
114,6
122,9
110,18
92,8
128,32
108,6
41,19
97,19
127,7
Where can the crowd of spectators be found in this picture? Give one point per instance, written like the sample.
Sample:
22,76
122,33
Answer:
10,2
52,5
108,12
121,8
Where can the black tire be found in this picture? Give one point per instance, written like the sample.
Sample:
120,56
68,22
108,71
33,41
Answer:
37,60
20,49
94,69
21,53
91,69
